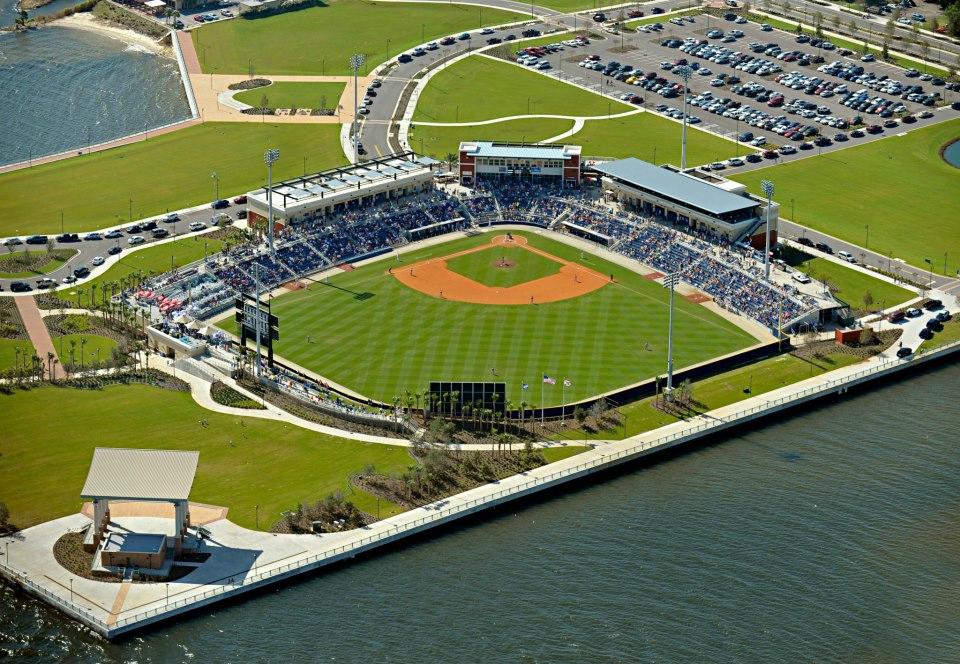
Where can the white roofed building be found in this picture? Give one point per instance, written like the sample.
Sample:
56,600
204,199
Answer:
487,160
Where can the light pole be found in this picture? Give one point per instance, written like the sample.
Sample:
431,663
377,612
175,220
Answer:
684,73
356,61
767,187
866,244
216,186
269,158
670,281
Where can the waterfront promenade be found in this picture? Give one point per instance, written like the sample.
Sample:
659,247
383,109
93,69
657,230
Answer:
245,560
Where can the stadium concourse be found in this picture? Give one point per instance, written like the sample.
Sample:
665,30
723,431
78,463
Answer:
730,272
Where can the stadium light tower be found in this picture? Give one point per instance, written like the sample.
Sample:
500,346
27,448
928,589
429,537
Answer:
767,187
270,157
684,72
356,61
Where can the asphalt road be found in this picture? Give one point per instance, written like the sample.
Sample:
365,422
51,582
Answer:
378,130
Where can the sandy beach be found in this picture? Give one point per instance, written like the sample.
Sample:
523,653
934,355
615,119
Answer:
87,21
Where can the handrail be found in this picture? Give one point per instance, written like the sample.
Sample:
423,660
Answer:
599,456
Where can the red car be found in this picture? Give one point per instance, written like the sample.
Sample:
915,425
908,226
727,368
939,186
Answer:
239,200
446,41
769,154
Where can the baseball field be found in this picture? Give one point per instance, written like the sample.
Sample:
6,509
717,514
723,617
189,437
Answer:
485,308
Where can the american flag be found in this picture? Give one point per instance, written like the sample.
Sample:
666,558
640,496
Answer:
548,380
525,386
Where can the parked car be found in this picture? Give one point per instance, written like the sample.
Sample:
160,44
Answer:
824,247
97,261
92,237
37,239
197,226
12,242
904,352
159,233
913,312
20,287
219,205
114,234
846,256
136,239
113,251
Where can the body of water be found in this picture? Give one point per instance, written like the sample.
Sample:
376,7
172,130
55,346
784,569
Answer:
66,88
828,536
952,153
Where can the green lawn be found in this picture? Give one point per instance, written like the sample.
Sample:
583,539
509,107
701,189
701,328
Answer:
93,349
167,172
20,264
8,354
852,285
377,336
723,390
451,95
899,186
438,142
320,40
660,18
146,262
482,266
949,334
652,138
50,434
285,94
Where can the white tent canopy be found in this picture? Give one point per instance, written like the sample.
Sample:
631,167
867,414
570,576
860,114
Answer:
153,4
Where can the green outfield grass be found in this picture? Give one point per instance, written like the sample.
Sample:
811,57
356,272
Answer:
50,434
8,353
320,40
723,390
371,333
899,186
438,142
92,350
652,138
285,94
507,90
166,172
481,266
852,285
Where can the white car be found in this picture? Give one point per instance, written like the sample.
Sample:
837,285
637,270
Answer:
800,278
846,256
137,239
97,261
486,31
197,226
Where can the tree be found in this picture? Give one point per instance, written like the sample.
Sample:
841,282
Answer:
323,102
885,49
952,14
4,515
264,103
867,299
924,49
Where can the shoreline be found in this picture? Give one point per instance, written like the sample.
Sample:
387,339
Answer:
87,21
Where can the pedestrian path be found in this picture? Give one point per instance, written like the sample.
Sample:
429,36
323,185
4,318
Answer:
38,333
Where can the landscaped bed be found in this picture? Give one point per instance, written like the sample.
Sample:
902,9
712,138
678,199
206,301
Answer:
20,264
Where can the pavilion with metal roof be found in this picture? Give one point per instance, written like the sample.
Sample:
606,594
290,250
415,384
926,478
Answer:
120,474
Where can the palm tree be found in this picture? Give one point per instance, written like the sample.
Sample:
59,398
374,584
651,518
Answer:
523,408
80,292
50,366
510,407
83,340
93,294
454,396
73,350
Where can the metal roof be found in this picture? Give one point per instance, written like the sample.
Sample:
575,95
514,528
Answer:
514,151
140,474
680,187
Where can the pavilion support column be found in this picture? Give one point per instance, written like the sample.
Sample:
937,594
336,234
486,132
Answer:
180,517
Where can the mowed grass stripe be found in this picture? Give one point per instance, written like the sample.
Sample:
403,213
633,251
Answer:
401,339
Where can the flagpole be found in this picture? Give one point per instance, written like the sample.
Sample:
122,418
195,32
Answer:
541,398
563,400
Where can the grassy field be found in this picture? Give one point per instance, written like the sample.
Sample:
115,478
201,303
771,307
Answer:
320,40
148,261
93,348
899,186
481,266
451,95
19,264
438,142
50,434
166,172
852,285
286,94
725,389
371,333
8,353
652,138
949,334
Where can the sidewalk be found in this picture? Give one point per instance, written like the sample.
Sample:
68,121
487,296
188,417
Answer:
38,333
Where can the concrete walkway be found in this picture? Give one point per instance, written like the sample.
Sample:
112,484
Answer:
532,116
38,333
244,559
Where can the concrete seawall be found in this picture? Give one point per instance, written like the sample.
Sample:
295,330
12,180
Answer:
318,552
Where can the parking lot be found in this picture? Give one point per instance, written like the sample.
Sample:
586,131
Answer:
735,89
